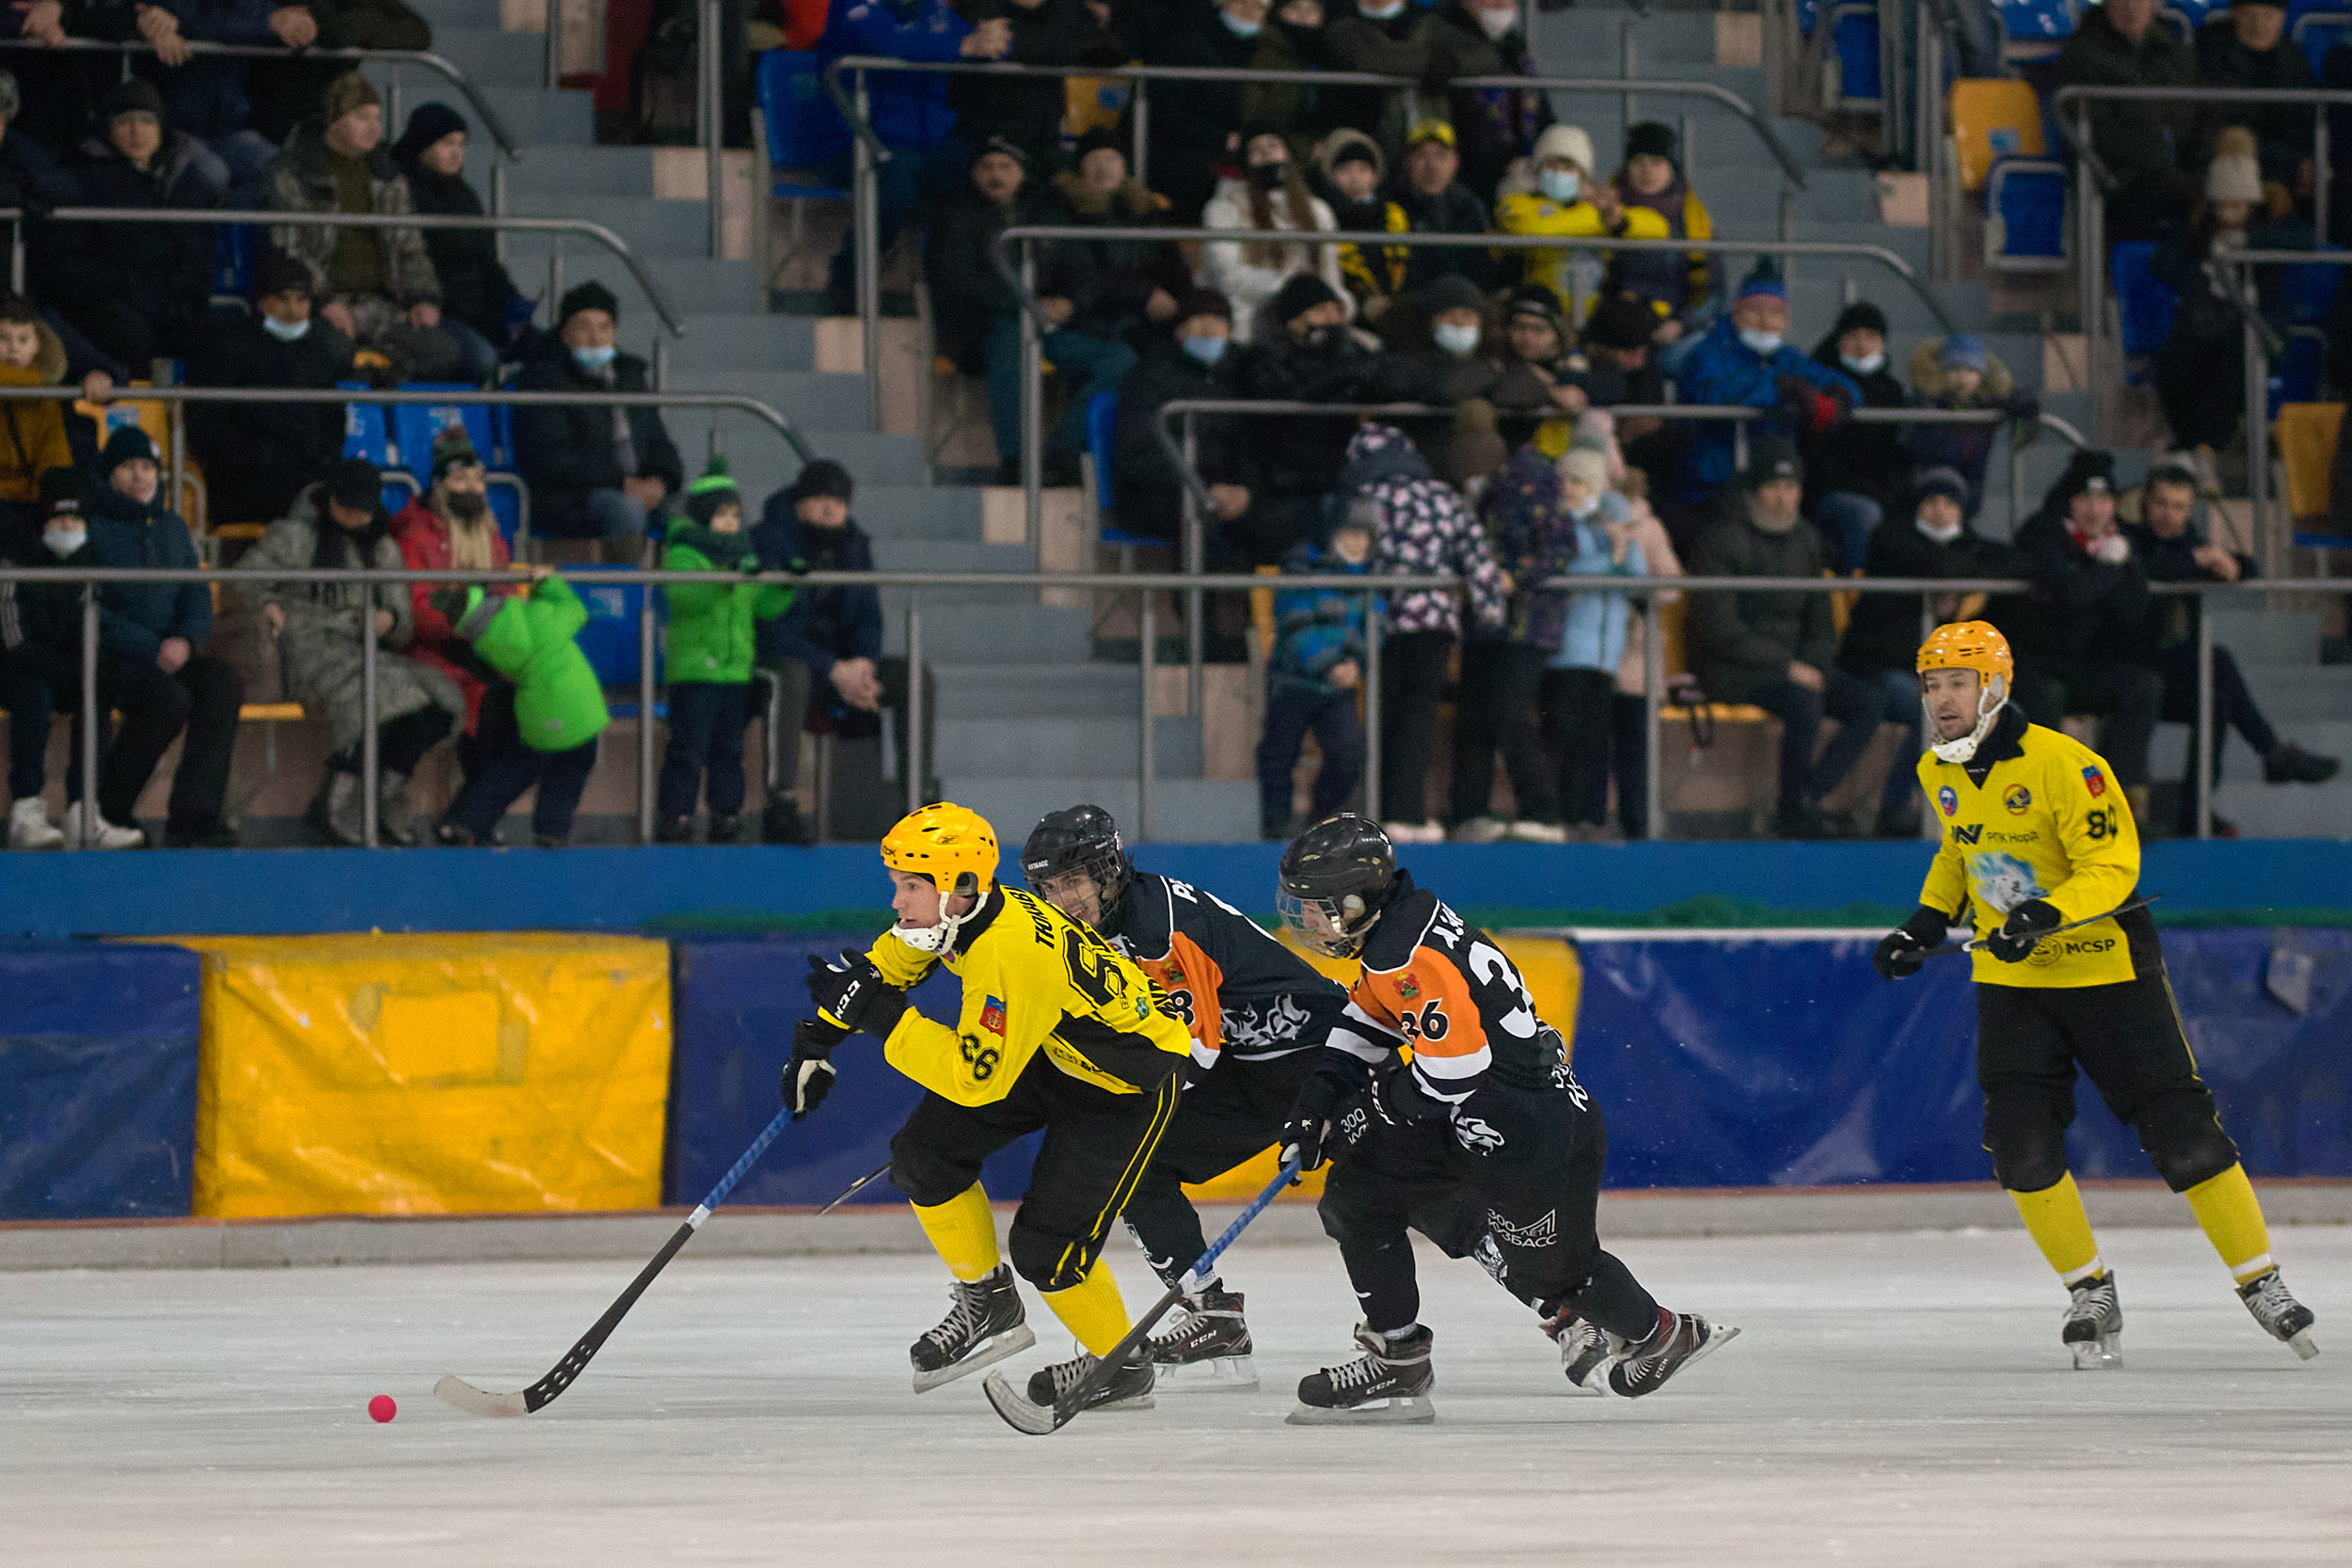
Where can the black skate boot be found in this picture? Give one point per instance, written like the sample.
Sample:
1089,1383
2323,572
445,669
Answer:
985,1323
2282,1317
1209,1349
2095,1324
1587,1350
1681,1338
1128,1388
1390,1381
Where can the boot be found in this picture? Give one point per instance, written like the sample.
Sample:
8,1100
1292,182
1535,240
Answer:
985,1323
1681,1338
2283,1318
1587,1350
29,827
106,834
2290,764
395,816
1390,1381
780,822
674,830
2092,1328
335,811
1128,1388
1210,1348
726,829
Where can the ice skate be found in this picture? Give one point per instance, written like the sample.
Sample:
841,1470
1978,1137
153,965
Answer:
2095,1324
1128,1388
1587,1350
1209,1349
1682,1338
2283,1318
1390,1381
985,1323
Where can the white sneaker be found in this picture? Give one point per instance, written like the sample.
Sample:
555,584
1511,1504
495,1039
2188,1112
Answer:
1538,832
108,836
1479,829
29,827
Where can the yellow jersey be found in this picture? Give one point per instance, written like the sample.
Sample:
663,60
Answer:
2048,822
1033,982
1531,213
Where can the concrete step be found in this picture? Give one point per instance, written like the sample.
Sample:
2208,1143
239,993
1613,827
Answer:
1184,811
458,13
489,56
725,341
1015,691
1025,633
693,284
2287,810
652,227
1037,746
2267,637
934,555
1585,41
810,399
2291,695
598,171
916,511
537,118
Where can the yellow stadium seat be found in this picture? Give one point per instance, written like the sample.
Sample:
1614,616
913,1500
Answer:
1993,120
2307,441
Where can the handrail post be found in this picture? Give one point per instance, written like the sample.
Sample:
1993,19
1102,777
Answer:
647,694
555,285
2087,269
1139,123
92,716
2320,178
1372,704
2257,422
16,256
497,209
1653,700
914,760
1032,409
370,796
865,240
1194,636
554,44
1145,653
1625,69
708,99
2201,759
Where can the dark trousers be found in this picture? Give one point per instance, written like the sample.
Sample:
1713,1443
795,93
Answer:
1628,759
201,698
1291,713
2233,708
1578,730
1096,1148
706,720
401,743
2127,1039
2201,382
1494,709
499,768
1539,1191
1234,1112
784,699
1412,683
2126,697
1856,703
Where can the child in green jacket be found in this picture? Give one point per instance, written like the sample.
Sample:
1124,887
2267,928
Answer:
543,729
709,651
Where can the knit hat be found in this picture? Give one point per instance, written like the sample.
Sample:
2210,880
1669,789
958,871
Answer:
1566,141
427,124
1587,468
1651,138
1770,457
1962,351
1366,511
2086,471
1351,150
1621,322
357,483
1939,480
467,606
1451,292
2235,173
1534,299
452,448
998,144
1203,302
591,295
61,493
1861,316
135,96
1763,281
1302,293
713,490
126,445
276,272
345,93
824,477
1430,129
1096,140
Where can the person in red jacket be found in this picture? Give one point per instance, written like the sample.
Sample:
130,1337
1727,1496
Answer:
448,528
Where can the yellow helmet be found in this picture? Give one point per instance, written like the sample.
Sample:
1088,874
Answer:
946,842
1977,645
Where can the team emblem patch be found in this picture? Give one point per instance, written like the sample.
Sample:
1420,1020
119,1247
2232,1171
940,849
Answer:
1409,988
992,1016
1535,1233
2094,781
2019,799
1948,799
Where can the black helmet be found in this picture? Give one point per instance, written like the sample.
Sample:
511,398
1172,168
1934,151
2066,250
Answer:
1079,840
1342,870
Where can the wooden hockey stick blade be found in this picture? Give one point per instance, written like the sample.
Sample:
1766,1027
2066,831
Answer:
857,1186
455,1391
1972,943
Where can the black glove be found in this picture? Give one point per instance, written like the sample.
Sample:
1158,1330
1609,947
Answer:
854,994
1308,1124
1195,1071
808,1076
2021,929
1902,950
1399,1100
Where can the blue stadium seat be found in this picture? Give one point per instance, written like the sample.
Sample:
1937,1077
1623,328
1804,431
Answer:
2296,375
2147,306
2315,26
2024,203
1854,55
2033,19
1101,438
233,249
365,433
416,425
805,130
610,638
2309,289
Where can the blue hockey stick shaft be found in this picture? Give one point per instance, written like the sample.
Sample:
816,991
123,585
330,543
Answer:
741,1167
1205,1264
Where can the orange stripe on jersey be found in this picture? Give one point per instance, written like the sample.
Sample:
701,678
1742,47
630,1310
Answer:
1191,979
1428,1002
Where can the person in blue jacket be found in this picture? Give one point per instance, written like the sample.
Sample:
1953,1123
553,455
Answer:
1745,359
908,109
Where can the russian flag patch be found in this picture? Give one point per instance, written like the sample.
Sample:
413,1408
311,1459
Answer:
2094,781
992,1016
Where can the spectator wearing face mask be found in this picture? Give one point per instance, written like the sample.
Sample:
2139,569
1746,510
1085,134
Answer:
1311,358
596,472
1959,372
1352,169
1857,473
1568,201
1539,375
1679,290
448,528
256,457
1452,371
1196,363
1312,676
40,658
1271,194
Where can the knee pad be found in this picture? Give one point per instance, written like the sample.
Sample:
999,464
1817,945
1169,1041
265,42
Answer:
1050,1262
2184,1138
2024,1131
927,1180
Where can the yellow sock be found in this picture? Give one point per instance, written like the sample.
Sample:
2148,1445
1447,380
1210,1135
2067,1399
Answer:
2054,1217
963,1232
2231,1218
1092,1310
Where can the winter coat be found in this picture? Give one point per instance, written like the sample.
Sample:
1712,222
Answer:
1392,46
1883,633
2173,619
1301,457
1593,634
907,108
1963,446
1741,643
475,288
135,617
532,641
1491,125
32,181
2081,610
1190,120
1658,556
1677,287
258,456
1722,370
823,625
565,452
2283,132
41,623
1866,460
712,637
1315,629
2149,146
32,433
1533,213
325,620
1426,530
297,181
1531,542
968,295
1147,492
1226,266
2206,320
1453,211
207,97
1379,273
1295,110
1026,113
422,535
1108,281
163,271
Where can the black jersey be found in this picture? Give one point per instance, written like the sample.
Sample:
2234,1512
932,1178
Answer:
1235,986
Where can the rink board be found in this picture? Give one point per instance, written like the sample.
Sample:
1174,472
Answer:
98,1067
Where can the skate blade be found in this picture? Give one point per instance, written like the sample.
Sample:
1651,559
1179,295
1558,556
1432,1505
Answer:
1012,1342
1218,1375
1596,1388
2099,1355
2303,1345
1415,1410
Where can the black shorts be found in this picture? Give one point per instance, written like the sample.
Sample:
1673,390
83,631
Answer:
1234,1113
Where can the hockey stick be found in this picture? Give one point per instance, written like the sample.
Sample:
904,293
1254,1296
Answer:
857,1186
1972,943
477,1402
1037,1420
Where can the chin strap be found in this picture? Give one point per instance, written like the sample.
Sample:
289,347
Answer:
1989,704
940,940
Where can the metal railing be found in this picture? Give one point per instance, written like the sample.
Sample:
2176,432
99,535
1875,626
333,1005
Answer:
394,58
229,219
1371,589
867,150
2257,363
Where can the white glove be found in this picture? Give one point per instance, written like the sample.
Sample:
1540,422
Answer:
2114,550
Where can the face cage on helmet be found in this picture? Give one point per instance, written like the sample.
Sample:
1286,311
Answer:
1104,865
1347,940
1992,693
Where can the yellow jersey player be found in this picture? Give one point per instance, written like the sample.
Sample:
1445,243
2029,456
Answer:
2037,835
1056,1032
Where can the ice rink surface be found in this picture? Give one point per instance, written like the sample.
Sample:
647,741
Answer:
1892,1399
